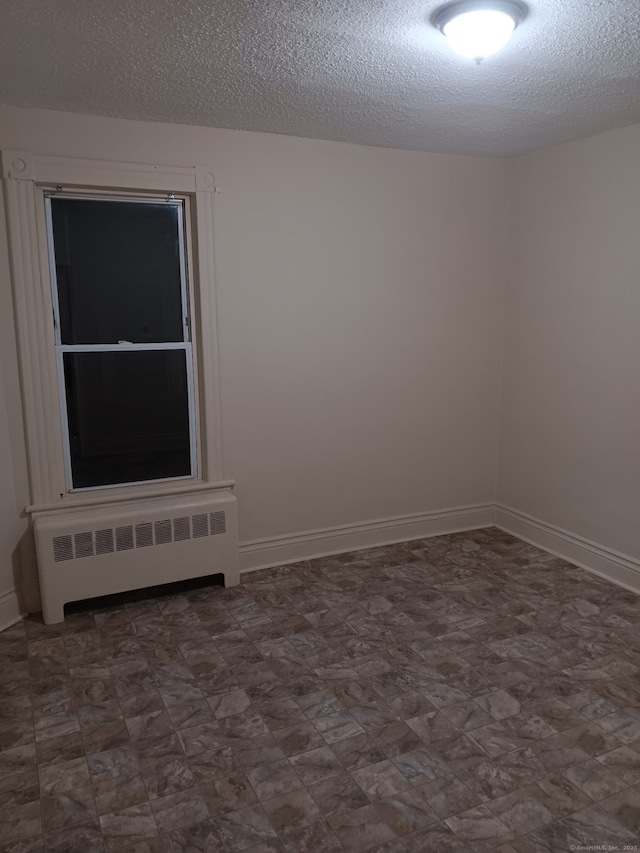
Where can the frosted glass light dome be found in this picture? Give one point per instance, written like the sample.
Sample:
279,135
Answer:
479,29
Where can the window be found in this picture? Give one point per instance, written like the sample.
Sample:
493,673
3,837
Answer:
115,311
123,351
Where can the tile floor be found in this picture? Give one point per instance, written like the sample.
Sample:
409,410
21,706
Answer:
462,693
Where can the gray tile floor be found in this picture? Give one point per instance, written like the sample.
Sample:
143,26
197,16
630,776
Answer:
462,693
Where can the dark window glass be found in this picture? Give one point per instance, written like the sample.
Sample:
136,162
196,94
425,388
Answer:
128,416
118,271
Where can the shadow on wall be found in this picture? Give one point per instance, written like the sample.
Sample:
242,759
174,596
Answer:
25,573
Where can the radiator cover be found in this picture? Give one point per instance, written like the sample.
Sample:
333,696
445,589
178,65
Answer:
102,550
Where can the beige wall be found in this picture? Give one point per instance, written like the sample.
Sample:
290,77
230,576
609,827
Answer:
570,433
361,304
360,297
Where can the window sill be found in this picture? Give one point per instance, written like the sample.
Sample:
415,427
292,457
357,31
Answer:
102,497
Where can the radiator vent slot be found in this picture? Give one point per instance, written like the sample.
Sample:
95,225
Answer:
181,528
104,541
124,538
62,548
147,533
218,523
200,525
83,544
162,530
144,535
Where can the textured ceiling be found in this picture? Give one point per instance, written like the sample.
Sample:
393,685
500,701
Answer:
367,71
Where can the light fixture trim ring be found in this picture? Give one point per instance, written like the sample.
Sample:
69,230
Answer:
513,8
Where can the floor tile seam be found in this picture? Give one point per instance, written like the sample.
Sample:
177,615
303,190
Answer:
374,802
531,742
559,820
608,769
408,835
319,817
461,782
139,773
47,835
286,758
76,823
506,828
40,834
144,782
562,773
593,802
259,804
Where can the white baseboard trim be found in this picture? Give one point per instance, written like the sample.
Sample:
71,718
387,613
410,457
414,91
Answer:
597,559
291,548
10,612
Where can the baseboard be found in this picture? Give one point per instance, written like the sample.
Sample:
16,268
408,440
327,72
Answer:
10,611
291,548
280,550
597,559
604,562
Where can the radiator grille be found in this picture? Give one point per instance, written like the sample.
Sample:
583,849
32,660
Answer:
83,544
200,525
181,529
124,538
62,548
218,523
144,535
104,541
163,532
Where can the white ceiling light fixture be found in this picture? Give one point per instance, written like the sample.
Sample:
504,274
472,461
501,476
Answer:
479,28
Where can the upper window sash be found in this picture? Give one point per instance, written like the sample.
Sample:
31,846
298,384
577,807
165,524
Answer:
162,203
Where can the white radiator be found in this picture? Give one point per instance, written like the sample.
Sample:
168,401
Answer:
98,551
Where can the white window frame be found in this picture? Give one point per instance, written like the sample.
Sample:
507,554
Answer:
61,349
28,178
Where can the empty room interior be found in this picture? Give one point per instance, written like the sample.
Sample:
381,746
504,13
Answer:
319,426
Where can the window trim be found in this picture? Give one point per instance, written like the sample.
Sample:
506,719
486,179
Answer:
27,177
